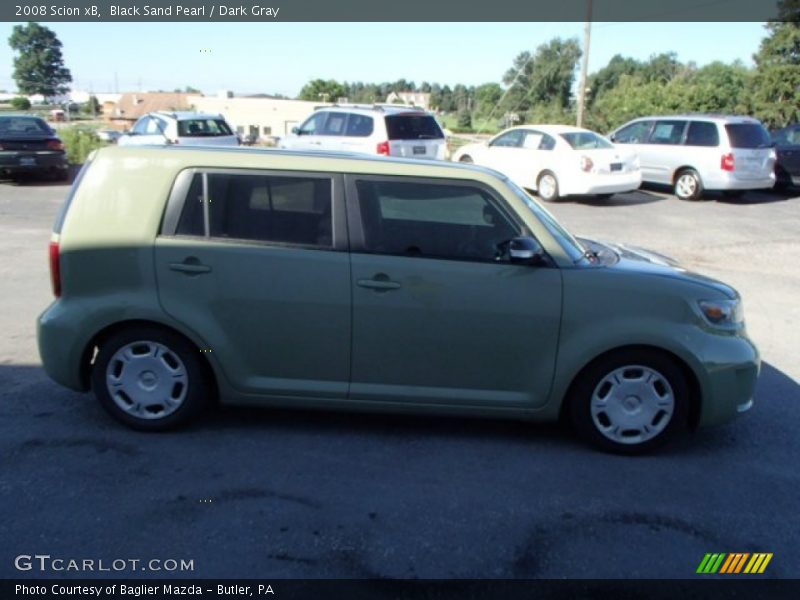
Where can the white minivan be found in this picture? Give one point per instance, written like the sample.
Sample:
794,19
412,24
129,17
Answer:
697,152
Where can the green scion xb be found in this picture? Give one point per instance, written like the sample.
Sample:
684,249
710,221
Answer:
279,278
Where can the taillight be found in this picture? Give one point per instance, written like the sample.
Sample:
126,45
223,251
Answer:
54,145
55,269
728,163
586,164
383,148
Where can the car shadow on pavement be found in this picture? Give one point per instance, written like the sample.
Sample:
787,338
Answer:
627,199
27,396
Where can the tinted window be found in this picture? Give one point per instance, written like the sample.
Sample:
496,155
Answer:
335,124
433,220
203,128
747,135
360,125
413,127
635,133
667,132
290,210
585,140
22,126
510,139
702,133
192,220
548,142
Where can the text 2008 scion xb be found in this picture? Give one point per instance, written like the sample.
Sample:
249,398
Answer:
328,280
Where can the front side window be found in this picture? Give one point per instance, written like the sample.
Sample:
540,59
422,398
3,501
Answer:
509,139
635,133
433,220
668,132
263,208
314,124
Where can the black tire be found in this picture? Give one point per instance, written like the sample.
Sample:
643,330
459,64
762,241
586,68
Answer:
549,196
466,159
195,396
693,188
591,380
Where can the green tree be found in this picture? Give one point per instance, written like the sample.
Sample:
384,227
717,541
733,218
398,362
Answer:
487,99
92,106
545,77
776,89
320,90
39,66
20,103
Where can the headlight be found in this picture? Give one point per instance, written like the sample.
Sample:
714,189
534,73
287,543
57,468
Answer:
722,312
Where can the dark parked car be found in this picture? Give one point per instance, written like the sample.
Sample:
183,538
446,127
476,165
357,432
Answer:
787,145
29,146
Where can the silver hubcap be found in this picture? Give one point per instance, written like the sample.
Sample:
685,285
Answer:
686,186
632,404
147,380
547,186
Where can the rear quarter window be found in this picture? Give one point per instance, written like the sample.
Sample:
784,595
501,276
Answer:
413,127
702,133
747,135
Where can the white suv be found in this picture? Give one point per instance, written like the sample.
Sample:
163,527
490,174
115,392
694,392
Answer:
390,130
183,128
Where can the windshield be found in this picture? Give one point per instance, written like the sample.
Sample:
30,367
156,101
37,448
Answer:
413,126
567,241
586,140
203,128
23,126
748,135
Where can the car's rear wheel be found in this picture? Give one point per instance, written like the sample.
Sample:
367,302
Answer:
150,379
547,187
688,185
466,159
630,402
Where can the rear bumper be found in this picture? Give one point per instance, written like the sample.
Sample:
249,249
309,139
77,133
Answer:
602,184
32,162
728,181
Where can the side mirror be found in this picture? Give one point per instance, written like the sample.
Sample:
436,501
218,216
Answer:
296,130
525,250
612,137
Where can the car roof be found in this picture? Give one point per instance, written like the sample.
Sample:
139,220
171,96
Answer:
183,115
369,109
717,117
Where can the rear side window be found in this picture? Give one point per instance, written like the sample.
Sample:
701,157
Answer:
360,125
667,132
702,133
264,208
203,128
635,133
431,220
747,135
413,127
585,140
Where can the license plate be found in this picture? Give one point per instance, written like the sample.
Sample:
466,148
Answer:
616,166
418,149
27,161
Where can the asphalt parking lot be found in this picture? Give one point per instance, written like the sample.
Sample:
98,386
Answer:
295,494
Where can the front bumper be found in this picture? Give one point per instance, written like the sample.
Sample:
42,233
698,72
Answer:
731,368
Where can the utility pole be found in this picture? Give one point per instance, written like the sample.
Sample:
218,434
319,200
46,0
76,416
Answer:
587,34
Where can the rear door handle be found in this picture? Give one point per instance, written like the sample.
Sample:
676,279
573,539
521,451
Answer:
380,283
190,267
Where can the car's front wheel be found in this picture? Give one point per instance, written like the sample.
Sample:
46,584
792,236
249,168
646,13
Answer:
630,402
150,379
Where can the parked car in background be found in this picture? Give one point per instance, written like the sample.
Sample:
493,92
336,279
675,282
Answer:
556,161
692,153
184,128
312,279
109,135
787,148
29,146
383,129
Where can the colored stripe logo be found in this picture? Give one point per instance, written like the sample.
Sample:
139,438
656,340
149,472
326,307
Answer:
734,563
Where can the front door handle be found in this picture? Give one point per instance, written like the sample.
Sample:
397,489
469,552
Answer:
379,283
191,266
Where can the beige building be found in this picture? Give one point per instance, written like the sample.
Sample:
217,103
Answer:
257,118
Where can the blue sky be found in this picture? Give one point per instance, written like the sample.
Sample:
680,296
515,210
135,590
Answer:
281,57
